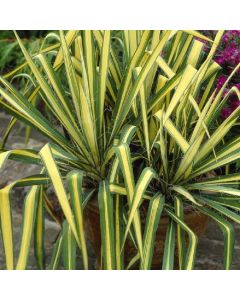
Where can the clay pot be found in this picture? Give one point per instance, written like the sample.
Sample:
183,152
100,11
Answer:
194,219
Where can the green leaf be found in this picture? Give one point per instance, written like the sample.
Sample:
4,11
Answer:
69,248
56,179
181,242
30,207
191,251
169,246
146,176
153,216
107,225
6,225
124,157
56,253
75,179
228,233
39,247
182,191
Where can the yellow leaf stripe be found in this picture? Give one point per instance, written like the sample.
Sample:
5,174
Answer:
57,183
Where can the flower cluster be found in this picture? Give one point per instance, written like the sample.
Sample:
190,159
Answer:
233,101
228,56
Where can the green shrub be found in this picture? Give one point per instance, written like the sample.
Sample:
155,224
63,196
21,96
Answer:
136,124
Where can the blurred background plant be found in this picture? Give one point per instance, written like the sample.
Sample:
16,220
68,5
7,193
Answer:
10,57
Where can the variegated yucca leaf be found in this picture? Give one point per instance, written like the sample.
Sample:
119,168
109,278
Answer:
152,222
169,247
77,199
107,225
69,248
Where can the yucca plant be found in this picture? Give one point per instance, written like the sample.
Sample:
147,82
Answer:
152,96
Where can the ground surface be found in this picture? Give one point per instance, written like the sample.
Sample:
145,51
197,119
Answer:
210,248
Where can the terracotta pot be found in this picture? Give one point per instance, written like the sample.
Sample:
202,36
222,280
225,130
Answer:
195,220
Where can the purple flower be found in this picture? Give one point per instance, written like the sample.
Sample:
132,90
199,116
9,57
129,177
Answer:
237,86
220,60
225,92
225,38
220,81
226,112
235,104
228,57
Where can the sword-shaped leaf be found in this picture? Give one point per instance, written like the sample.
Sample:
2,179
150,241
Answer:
107,225
153,216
